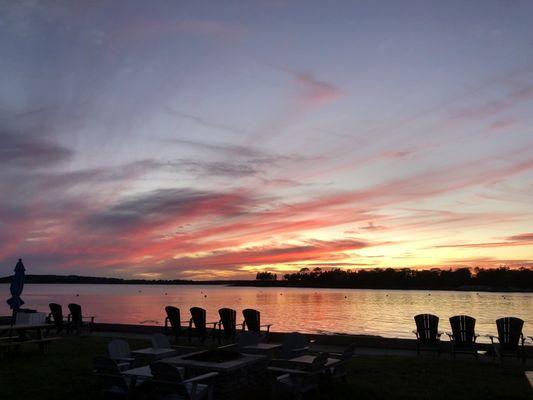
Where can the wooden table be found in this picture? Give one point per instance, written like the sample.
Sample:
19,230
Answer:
266,349
155,353
21,329
9,341
308,359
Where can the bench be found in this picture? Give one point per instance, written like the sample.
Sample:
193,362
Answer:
39,342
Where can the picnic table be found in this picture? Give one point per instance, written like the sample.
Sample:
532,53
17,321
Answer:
17,335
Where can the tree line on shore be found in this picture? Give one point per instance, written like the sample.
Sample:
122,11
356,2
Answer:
406,278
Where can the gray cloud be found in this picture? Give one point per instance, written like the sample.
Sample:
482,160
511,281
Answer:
167,205
29,151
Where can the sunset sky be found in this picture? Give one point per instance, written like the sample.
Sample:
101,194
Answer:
197,140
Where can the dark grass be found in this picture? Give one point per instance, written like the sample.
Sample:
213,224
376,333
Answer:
65,372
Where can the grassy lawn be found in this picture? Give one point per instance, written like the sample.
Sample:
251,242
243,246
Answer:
65,372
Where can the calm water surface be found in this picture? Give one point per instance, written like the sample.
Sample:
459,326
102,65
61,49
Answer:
387,313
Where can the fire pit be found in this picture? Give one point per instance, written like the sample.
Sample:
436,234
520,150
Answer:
216,356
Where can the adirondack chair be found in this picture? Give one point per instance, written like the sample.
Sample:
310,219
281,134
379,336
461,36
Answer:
198,319
227,326
463,336
119,351
427,334
339,370
77,321
114,384
252,321
56,317
298,381
294,344
168,383
510,340
173,319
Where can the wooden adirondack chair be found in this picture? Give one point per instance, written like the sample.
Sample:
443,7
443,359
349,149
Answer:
113,383
427,334
294,344
173,319
168,383
339,370
510,340
119,351
296,381
463,336
252,321
56,317
77,321
198,319
227,326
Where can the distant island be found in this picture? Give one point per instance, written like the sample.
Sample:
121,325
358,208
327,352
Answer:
478,279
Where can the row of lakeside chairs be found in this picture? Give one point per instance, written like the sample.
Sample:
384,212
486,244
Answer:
509,341
225,327
75,321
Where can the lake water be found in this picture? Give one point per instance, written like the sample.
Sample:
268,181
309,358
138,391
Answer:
386,313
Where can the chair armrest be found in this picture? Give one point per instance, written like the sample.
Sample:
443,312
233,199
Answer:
243,325
415,332
492,338
202,377
123,359
450,335
439,333
228,346
522,339
288,371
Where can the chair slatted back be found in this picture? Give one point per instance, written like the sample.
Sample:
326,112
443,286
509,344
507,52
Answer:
291,342
160,341
427,327
119,348
228,317
174,317
57,314
509,332
167,380
198,316
463,329
252,319
75,314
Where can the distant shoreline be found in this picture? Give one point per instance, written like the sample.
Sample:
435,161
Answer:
76,279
